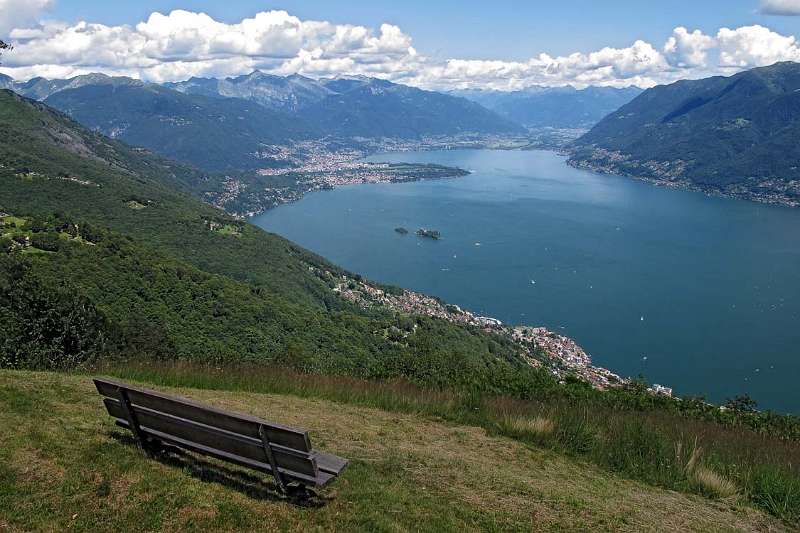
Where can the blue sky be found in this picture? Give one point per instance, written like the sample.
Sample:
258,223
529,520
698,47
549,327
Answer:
497,29
438,44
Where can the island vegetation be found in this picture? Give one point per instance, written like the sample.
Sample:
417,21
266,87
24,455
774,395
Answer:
429,233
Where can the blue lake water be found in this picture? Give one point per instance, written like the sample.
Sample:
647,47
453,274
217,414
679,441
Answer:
694,292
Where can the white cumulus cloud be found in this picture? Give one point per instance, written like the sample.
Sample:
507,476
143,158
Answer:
780,7
20,12
684,49
181,44
753,46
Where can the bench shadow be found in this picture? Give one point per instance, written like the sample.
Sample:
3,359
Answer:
258,487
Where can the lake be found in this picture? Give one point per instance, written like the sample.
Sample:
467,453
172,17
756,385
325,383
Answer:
694,292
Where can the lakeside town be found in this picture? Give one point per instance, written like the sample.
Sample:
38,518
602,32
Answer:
538,346
289,173
312,167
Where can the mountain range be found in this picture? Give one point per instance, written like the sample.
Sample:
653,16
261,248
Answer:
289,93
732,135
236,123
210,133
357,106
735,135
554,107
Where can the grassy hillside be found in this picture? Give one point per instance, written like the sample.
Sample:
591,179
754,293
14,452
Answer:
66,466
734,134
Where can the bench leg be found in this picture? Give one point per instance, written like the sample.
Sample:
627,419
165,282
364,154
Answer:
300,491
262,432
142,441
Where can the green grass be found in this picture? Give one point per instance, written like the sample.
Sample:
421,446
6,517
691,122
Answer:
136,206
229,229
656,446
65,466
10,221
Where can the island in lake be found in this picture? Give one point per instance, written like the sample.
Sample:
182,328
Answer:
429,233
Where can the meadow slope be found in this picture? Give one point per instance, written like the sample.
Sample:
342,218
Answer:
64,465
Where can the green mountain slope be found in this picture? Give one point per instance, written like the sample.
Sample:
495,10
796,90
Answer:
210,133
236,123
103,257
735,135
369,107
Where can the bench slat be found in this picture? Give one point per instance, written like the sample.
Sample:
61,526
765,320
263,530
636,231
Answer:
327,462
322,478
219,439
210,416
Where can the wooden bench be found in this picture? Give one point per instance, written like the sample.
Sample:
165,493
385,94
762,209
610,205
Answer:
156,418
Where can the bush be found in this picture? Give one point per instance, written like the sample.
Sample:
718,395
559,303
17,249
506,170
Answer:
49,242
44,327
712,483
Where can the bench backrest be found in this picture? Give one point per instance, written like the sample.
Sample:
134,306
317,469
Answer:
231,436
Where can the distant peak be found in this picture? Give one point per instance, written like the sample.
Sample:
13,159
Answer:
92,76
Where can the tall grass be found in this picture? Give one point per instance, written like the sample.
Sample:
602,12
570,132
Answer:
659,447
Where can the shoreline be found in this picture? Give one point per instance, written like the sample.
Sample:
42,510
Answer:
356,171
677,181
314,167
536,345
563,355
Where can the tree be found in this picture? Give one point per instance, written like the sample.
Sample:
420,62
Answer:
5,46
742,404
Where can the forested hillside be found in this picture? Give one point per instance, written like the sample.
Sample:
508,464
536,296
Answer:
106,262
102,257
210,133
735,135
